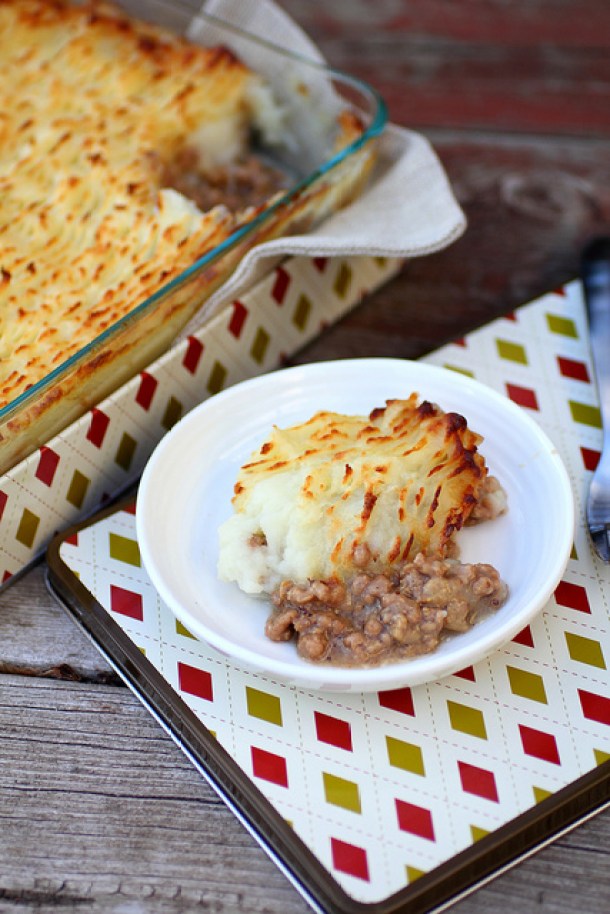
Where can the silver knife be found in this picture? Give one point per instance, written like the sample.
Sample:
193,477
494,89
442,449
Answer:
596,282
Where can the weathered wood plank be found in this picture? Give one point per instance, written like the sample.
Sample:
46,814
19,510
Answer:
38,638
99,808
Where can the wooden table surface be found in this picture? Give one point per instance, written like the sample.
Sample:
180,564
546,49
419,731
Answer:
515,96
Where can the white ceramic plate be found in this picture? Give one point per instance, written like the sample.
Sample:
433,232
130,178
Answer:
186,490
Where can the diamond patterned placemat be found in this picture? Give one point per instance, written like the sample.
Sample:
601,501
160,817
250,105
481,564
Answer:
105,451
385,787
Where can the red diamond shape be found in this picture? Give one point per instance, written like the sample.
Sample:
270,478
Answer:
347,858
195,681
146,390
192,356
3,501
525,637
269,766
539,745
415,819
320,263
467,673
573,596
126,603
238,319
334,731
595,707
400,700
47,465
522,396
590,458
570,368
280,286
98,426
478,781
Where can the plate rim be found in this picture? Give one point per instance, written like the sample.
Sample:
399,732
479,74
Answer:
364,679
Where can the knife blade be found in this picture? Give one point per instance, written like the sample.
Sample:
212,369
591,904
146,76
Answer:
595,273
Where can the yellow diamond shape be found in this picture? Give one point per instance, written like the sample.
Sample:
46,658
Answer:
466,719
77,489
459,370
342,280
217,378
124,549
302,311
540,793
562,325
28,525
173,412
264,706
512,352
413,873
476,833
341,792
526,684
183,630
125,451
585,413
585,650
260,345
403,755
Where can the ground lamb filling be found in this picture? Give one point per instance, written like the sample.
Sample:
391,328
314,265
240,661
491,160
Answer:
247,182
379,618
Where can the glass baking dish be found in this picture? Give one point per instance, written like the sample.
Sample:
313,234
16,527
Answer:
324,176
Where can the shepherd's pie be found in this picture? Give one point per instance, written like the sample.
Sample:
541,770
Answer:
106,125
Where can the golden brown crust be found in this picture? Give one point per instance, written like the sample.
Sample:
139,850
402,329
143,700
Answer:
93,106
86,230
400,481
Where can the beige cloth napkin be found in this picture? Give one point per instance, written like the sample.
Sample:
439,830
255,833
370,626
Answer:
408,208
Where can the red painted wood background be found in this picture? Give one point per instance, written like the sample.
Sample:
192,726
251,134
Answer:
515,97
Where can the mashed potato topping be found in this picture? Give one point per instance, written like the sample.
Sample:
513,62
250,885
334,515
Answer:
98,112
313,497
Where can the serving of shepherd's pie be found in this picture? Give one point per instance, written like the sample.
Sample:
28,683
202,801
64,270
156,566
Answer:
348,524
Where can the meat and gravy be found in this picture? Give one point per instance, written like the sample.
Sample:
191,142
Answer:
348,524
